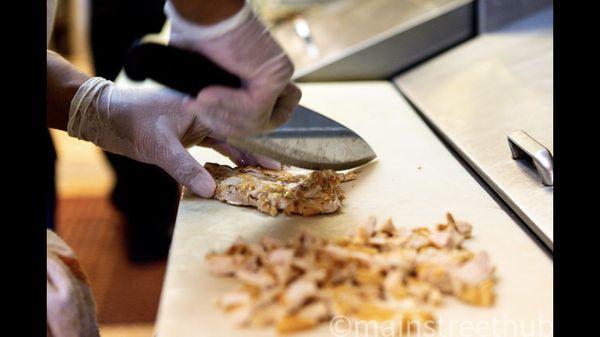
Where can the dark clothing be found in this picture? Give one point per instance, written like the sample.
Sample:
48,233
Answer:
147,196
50,188
115,25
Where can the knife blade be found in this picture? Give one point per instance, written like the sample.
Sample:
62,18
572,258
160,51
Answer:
308,140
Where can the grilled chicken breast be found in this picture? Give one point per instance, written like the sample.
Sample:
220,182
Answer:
271,191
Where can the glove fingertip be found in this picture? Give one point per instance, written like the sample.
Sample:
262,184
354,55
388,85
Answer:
203,185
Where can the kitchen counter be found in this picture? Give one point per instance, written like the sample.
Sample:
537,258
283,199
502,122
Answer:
369,40
479,92
415,180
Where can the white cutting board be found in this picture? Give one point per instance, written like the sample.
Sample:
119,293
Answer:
415,180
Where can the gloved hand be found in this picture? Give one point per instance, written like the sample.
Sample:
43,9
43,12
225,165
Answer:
243,46
150,126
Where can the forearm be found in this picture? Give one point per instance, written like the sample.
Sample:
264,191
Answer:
63,80
207,12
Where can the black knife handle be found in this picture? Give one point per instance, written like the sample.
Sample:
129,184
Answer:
179,69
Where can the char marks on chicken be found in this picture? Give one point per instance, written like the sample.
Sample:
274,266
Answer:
272,191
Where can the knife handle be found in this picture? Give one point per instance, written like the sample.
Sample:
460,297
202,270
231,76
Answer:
179,69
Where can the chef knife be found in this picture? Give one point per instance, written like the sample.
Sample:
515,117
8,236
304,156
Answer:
309,139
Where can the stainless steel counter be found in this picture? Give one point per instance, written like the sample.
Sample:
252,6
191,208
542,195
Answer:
477,93
368,40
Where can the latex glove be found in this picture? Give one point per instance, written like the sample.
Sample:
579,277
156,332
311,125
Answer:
243,46
149,125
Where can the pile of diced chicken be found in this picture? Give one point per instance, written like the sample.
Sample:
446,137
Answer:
380,273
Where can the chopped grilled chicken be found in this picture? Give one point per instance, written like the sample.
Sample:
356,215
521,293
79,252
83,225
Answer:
221,265
281,256
298,292
473,281
271,191
476,270
379,273
235,299
260,279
